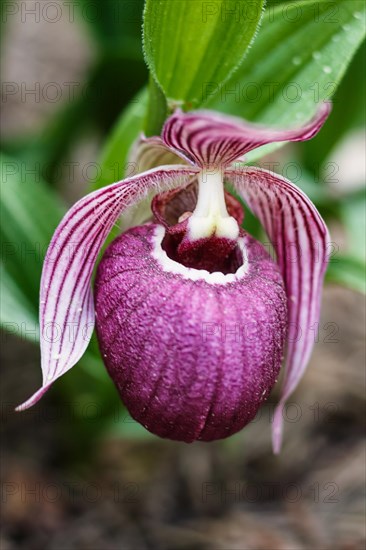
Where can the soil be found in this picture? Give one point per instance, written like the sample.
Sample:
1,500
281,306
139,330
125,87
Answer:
62,490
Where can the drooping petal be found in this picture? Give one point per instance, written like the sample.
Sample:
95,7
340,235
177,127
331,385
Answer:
211,140
299,237
148,153
66,301
193,354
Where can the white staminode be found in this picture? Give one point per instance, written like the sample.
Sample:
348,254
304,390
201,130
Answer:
217,278
210,216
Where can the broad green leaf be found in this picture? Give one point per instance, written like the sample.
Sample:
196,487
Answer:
190,44
349,269
114,160
157,109
353,215
297,61
114,157
345,114
17,314
30,212
349,272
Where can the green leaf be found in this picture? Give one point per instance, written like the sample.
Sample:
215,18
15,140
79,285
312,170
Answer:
349,269
114,157
189,44
349,272
297,61
346,114
156,109
353,215
30,212
17,314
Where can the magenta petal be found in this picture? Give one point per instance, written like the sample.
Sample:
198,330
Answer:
193,354
299,236
213,139
66,300
146,154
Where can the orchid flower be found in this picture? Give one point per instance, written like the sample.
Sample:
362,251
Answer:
193,316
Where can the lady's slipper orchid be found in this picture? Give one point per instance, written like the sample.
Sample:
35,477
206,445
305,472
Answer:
192,314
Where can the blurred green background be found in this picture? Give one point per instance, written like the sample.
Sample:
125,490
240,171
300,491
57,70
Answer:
73,100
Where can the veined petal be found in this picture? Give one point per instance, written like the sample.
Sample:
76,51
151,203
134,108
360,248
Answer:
214,139
148,153
66,300
299,237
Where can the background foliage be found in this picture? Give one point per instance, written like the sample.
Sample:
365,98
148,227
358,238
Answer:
271,65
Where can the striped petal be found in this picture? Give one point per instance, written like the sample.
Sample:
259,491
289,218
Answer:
299,237
148,153
211,139
66,300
